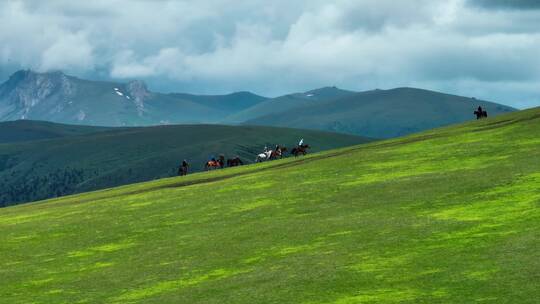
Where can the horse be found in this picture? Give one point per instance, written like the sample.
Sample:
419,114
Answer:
212,164
182,171
300,150
278,152
215,164
271,154
264,156
480,113
233,162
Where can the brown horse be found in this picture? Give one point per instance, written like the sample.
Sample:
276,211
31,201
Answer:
300,150
215,164
277,153
212,164
233,162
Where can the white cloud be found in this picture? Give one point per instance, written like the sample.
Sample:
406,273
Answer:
68,52
273,47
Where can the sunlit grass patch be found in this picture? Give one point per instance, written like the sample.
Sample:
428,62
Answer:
255,204
22,218
111,247
172,285
381,296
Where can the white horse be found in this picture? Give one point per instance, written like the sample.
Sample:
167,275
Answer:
264,156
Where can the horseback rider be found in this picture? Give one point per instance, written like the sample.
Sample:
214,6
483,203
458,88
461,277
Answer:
184,167
480,113
300,149
267,152
221,161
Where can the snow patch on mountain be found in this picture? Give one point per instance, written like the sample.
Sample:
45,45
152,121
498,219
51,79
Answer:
81,115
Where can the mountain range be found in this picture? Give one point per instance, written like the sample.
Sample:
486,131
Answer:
378,113
60,98
57,97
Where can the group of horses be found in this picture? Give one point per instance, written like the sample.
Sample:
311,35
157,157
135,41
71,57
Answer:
220,163
279,151
267,155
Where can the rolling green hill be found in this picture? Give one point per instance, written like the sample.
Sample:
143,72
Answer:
42,169
446,216
287,103
28,130
380,113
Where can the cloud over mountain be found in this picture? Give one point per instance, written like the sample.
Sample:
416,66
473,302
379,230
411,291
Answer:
272,47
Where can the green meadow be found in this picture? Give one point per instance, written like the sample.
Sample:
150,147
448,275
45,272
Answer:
446,216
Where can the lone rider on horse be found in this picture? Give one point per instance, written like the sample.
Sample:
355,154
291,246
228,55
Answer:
480,113
300,149
184,168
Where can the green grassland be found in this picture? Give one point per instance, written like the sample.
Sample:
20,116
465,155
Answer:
446,216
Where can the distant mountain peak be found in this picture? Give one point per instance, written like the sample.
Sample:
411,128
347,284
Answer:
243,93
327,92
29,74
26,89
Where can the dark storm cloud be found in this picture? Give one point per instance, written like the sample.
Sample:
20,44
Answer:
507,4
273,47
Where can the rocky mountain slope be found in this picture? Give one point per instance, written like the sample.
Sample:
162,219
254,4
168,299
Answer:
61,98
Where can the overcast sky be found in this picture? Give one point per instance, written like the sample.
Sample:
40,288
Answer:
483,48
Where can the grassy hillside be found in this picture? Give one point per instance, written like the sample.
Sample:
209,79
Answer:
48,168
28,130
382,113
446,216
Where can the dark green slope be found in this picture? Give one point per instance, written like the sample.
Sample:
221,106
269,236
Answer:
47,168
383,113
28,130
